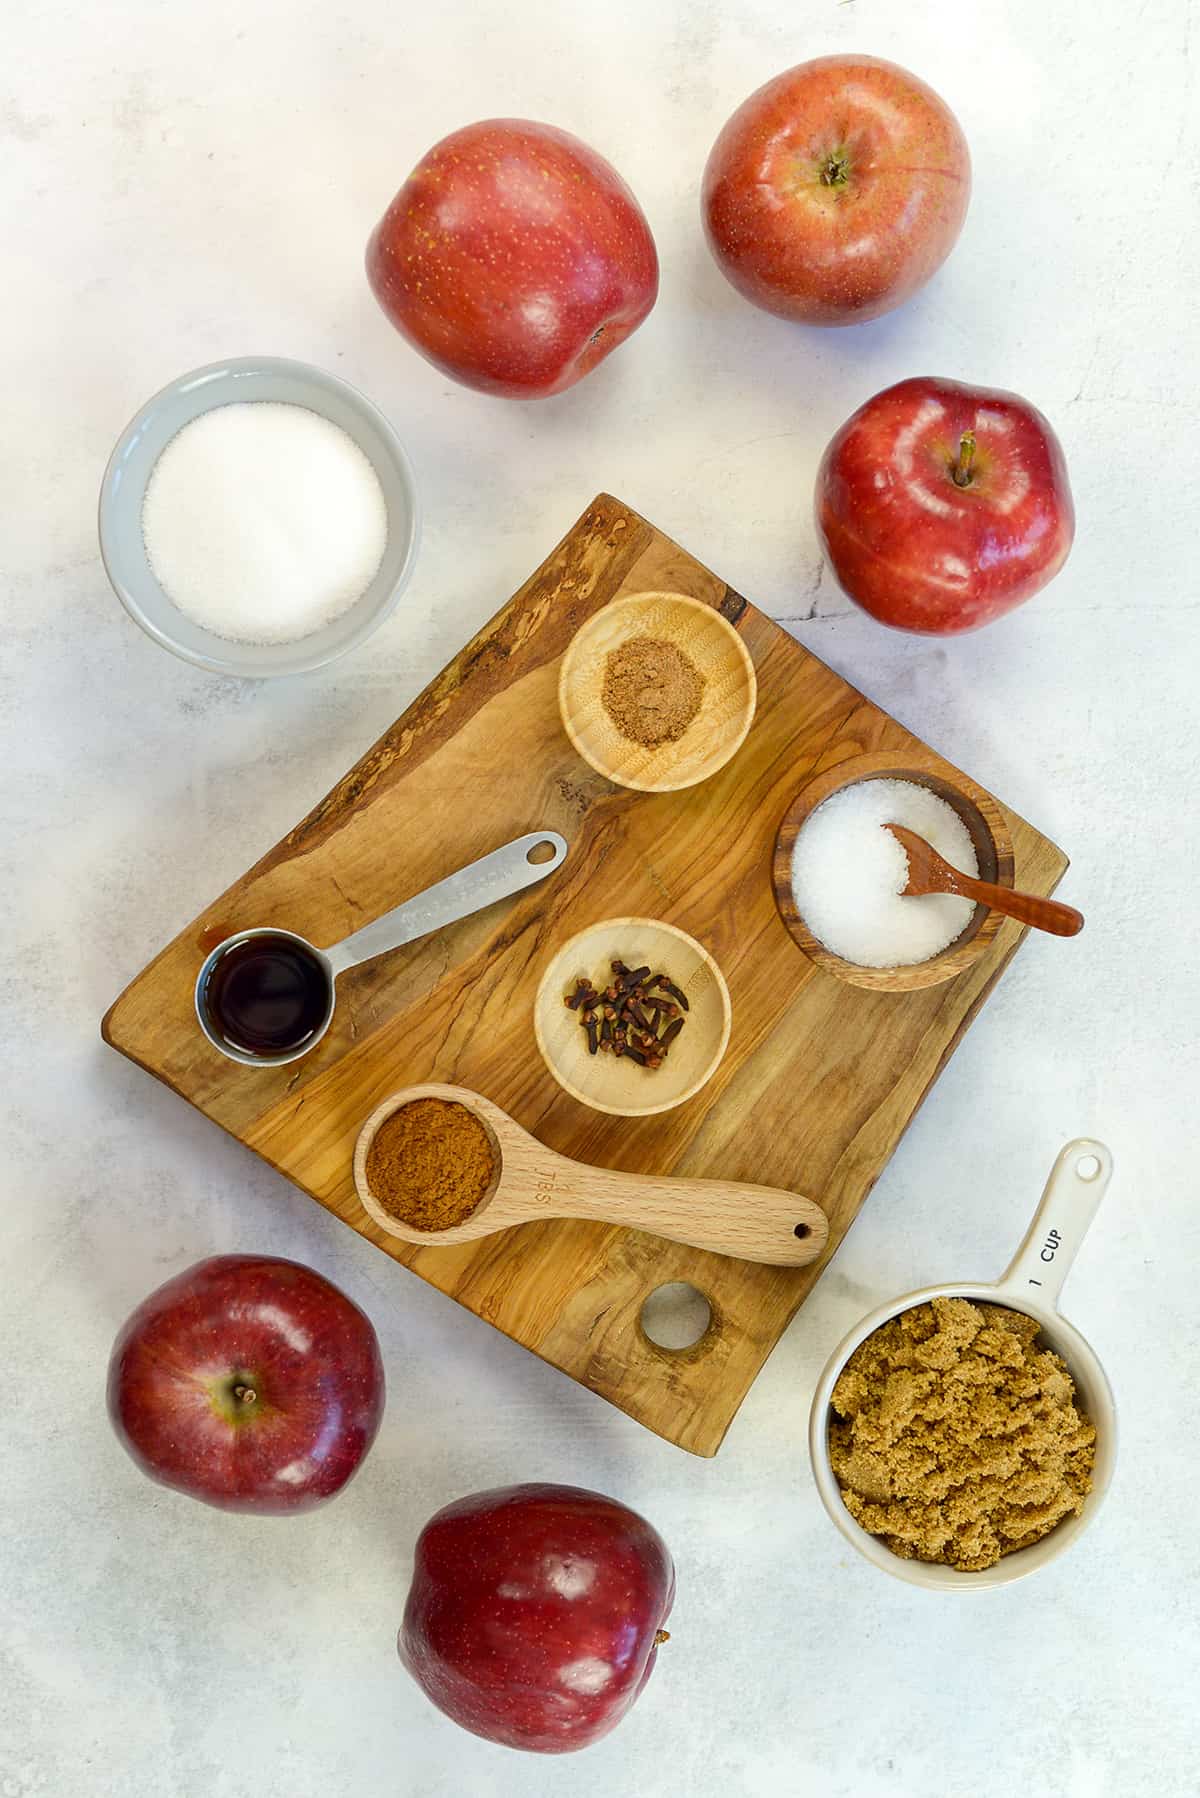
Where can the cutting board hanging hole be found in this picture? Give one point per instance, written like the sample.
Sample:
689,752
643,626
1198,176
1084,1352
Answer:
676,1316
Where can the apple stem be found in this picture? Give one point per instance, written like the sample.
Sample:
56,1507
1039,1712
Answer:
246,1395
961,471
661,1636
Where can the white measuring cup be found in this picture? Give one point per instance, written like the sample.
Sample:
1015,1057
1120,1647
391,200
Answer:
1031,1283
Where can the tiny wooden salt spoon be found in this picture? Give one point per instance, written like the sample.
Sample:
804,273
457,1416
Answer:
929,872
530,1181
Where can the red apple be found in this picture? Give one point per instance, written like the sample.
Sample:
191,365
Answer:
514,258
535,1614
943,506
248,1382
836,190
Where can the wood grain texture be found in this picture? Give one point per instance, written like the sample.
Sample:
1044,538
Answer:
989,833
819,1081
530,1181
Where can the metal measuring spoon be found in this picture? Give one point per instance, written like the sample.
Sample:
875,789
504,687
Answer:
265,997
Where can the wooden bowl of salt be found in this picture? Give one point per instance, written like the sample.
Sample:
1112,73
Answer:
890,940
657,692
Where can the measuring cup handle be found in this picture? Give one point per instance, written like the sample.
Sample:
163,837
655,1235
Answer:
1072,1197
496,876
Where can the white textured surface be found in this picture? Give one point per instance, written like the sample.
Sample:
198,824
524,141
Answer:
181,184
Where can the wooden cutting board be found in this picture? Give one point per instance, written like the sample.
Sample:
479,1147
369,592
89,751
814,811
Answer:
820,1079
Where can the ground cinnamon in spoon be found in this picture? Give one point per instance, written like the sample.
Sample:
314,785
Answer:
651,690
430,1164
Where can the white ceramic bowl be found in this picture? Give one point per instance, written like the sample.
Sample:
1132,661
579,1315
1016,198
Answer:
148,434
1031,1284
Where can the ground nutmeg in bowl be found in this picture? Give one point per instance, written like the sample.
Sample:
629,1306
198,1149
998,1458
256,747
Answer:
954,1435
430,1163
652,690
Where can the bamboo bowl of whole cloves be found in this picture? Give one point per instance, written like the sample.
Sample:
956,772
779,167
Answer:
632,1016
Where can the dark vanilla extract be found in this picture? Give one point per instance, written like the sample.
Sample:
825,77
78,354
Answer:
268,995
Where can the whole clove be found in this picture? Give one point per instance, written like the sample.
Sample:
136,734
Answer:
629,1016
668,986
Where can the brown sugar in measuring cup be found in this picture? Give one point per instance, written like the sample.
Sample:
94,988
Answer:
430,1164
1077,1386
954,1436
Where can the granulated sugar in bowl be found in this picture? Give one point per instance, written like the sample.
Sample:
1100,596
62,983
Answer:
848,874
263,521
298,472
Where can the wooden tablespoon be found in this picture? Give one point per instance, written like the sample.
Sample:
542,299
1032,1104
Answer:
727,1217
929,872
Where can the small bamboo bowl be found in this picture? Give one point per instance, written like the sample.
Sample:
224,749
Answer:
989,834
610,1083
717,731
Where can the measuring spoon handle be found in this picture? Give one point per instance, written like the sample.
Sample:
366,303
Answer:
495,876
751,1223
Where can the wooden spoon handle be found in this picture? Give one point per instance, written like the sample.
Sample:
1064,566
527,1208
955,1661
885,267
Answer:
1026,908
751,1223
